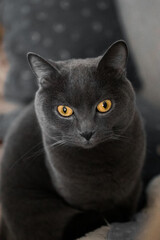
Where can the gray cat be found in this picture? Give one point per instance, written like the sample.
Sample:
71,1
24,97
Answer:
74,158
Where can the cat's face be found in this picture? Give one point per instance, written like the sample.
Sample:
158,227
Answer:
84,102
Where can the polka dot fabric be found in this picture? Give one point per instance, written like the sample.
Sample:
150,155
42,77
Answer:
57,29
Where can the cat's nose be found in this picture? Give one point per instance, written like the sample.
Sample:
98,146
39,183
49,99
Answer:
87,135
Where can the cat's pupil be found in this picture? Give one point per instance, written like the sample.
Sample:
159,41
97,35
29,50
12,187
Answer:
64,109
104,104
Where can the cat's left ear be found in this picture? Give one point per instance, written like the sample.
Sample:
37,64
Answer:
115,57
41,67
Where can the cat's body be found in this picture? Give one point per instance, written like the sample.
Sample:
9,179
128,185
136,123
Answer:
55,167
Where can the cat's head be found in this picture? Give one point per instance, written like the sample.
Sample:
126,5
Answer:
84,102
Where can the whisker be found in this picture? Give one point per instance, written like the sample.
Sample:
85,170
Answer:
24,155
52,137
56,144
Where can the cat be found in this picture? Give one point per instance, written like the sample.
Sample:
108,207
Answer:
73,159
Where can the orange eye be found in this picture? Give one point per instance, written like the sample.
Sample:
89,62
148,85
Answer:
65,111
104,106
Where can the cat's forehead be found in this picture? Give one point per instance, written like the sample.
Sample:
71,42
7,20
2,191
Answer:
75,63
79,71
80,79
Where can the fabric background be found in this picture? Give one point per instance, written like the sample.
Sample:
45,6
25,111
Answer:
56,29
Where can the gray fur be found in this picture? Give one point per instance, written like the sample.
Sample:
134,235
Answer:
52,177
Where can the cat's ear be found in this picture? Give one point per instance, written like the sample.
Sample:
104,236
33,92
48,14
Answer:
41,67
115,57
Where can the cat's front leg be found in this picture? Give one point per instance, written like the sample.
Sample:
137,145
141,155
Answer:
35,219
126,208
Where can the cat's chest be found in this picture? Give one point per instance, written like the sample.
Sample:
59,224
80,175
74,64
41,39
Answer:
87,192
98,184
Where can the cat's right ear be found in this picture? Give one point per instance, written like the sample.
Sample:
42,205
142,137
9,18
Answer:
115,57
41,67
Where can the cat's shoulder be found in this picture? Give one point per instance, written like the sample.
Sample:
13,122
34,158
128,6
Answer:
23,154
26,122
25,130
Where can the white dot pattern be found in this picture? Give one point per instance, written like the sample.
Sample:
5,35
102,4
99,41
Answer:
41,16
64,54
25,9
59,27
64,4
47,42
86,12
91,23
36,37
97,27
102,5
75,36
20,48
49,3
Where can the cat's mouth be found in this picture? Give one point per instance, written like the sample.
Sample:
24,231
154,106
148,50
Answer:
84,143
90,143
87,144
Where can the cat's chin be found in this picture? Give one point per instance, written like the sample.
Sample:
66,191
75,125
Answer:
88,145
